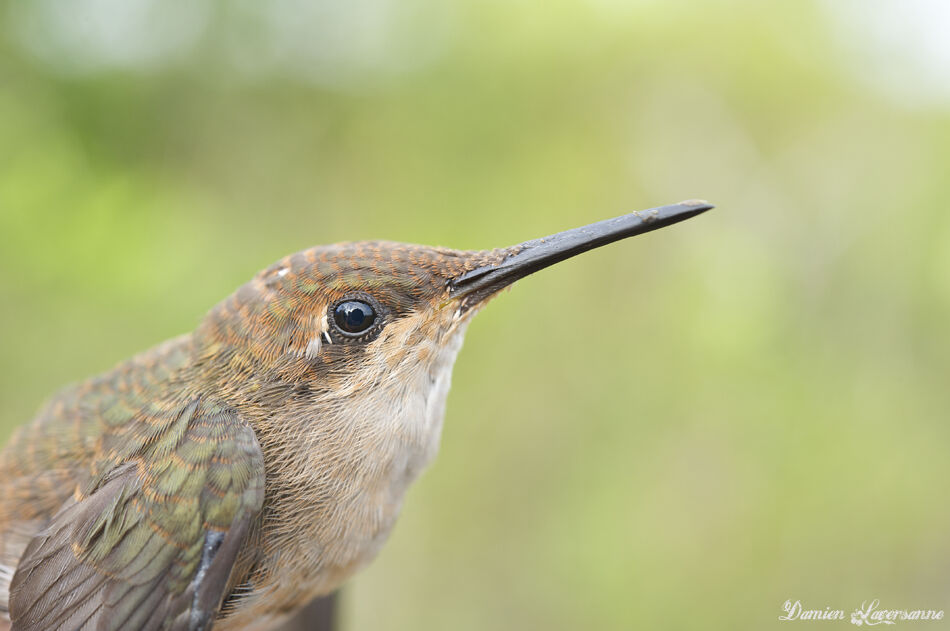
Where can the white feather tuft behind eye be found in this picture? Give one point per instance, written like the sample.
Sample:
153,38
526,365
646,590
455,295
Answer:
313,348
309,337
325,329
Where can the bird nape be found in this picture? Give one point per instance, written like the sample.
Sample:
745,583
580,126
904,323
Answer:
229,476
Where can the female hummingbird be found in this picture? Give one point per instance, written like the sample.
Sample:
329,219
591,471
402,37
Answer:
229,476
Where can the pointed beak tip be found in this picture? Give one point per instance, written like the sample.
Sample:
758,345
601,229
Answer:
694,202
696,205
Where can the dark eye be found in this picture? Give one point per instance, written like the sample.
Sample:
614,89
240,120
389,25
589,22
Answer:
354,316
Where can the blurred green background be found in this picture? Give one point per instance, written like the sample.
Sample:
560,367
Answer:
680,431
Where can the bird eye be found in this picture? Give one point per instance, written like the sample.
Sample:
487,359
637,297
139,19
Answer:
354,316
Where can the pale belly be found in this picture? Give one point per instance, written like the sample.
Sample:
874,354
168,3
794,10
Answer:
337,513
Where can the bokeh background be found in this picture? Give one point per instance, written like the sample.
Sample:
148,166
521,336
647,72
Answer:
680,431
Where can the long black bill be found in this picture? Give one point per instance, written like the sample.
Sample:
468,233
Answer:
531,256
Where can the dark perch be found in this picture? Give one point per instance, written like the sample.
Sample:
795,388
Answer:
319,615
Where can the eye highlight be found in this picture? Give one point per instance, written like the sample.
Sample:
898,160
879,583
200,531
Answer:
354,317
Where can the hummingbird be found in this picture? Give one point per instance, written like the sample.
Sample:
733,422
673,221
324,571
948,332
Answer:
228,476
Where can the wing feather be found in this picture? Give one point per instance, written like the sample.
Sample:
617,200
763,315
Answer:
152,543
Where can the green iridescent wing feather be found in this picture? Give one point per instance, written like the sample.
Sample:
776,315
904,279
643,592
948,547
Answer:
149,540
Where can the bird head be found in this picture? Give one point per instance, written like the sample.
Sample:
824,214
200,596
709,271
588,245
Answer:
337,319
375,326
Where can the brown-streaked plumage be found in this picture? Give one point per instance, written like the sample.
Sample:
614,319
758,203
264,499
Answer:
229,476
